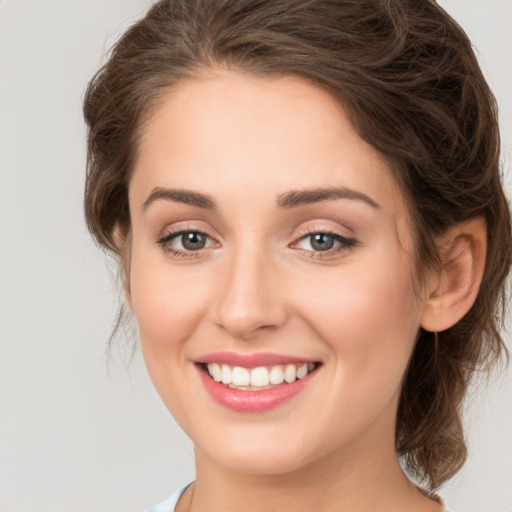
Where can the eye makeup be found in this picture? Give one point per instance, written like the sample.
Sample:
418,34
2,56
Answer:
323,244
187,242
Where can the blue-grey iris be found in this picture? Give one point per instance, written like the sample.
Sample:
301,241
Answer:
193,241
322,242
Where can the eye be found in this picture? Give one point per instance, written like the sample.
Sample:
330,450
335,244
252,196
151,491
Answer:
192,240
321,241
182,243
324,242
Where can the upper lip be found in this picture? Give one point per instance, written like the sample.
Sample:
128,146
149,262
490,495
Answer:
252,360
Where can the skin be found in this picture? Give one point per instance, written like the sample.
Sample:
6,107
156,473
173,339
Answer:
259,286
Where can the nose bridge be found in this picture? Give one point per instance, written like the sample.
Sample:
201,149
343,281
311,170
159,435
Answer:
249,300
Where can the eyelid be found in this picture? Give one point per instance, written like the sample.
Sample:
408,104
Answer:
346,243
184,226
171,235
323,226
166,236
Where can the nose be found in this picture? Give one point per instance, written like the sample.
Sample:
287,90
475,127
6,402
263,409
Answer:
250,299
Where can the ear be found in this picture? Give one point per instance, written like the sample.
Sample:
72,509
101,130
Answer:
454,290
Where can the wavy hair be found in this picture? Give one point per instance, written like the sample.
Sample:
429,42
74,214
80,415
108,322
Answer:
408,78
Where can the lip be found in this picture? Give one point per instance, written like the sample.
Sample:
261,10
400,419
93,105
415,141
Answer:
252,360
253,401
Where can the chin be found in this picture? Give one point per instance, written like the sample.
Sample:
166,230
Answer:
262,464
274,457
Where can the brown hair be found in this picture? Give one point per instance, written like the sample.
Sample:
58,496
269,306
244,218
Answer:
409,80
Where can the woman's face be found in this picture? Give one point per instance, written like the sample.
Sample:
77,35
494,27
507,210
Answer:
271,242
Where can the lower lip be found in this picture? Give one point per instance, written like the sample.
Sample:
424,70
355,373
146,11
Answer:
253,401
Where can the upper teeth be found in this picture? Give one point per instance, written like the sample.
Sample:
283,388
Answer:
258,377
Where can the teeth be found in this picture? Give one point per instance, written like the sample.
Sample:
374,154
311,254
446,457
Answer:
276,375
260,377
214,370
302,371
226,374
290,373
241,376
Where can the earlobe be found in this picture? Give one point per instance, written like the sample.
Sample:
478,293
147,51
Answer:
454,290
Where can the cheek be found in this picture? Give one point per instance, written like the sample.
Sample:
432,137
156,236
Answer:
370,319
166,303
370,324
168,307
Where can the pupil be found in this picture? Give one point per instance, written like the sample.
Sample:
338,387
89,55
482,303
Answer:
193,241
322,242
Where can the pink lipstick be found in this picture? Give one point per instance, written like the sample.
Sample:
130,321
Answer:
254,382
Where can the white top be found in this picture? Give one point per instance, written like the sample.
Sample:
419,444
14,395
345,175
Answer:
169,504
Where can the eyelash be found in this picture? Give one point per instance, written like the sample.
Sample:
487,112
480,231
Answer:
345,244
164,242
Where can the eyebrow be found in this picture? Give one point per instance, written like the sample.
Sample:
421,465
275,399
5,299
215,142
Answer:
287,200
180,196
302,197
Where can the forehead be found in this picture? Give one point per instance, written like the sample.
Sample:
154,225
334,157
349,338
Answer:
231,135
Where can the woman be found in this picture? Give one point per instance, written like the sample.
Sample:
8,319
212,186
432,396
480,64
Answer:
305,202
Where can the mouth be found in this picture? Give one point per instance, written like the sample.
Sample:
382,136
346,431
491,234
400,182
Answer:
259,378
255,383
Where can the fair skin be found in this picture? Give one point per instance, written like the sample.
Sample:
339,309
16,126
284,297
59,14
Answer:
252,279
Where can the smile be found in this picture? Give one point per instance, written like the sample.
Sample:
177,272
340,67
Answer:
254,382
259,378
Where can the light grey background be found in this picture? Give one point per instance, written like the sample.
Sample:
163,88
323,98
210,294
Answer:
75,436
